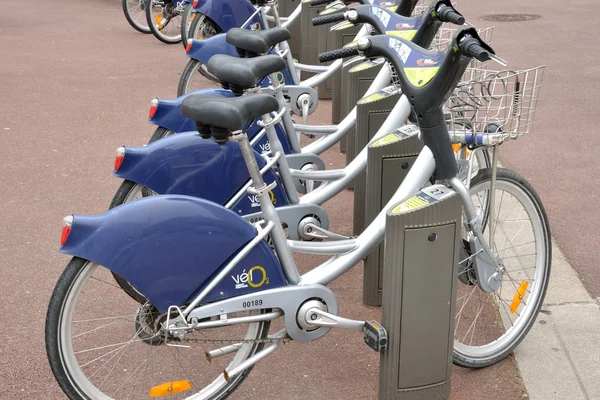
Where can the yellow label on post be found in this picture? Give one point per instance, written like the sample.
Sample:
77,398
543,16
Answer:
342,25
328,11
372,98
419,77
387,139
419,201
169,388
364,66
408,35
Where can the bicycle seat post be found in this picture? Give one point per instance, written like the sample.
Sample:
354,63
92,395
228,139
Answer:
262,190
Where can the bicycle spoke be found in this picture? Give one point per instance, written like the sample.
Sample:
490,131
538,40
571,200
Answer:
474,323
121,356
147,361
522,255
132,374
462,308
94,330
107,346
103,281
498,215
516,245
102,356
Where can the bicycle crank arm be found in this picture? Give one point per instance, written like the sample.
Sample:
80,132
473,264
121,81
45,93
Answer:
374,334
310,230
317,318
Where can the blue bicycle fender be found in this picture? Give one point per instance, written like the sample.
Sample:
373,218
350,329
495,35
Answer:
168,248
168,115
203,50
229,14
168,112
187,164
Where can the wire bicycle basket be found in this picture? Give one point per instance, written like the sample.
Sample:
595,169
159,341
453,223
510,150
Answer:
487,101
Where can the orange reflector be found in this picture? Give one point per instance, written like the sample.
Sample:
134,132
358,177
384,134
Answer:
169,388
457,146
518,297
200,37
188,47
158,19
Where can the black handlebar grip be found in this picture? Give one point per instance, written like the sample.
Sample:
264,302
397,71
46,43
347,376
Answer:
319,2
328,19
472,48
339,53
447,14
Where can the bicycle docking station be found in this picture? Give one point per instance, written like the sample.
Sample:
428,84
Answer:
286,8
371,113
419,295
356,78
339,36
336,39
389,161
311,43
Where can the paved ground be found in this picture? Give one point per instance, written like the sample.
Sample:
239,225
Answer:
77,85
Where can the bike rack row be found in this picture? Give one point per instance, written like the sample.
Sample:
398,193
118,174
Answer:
412,275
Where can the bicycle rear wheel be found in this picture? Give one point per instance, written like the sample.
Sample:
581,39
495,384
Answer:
101,344
193,78
135,14
164,19
488,326
201,28
187,17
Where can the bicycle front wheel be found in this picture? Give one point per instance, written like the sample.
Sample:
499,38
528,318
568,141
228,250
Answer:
488,326
103,345
164,19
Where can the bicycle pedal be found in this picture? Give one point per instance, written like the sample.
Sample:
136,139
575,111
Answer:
375,335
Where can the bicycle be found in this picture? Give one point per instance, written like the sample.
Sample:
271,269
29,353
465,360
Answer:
194,301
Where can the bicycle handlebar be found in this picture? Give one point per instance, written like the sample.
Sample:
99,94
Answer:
471,47
447,14
338,53
328,19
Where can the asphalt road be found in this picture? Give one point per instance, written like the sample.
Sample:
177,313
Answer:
77,84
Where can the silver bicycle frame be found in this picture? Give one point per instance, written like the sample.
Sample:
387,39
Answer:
382,80
337,180
396,119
